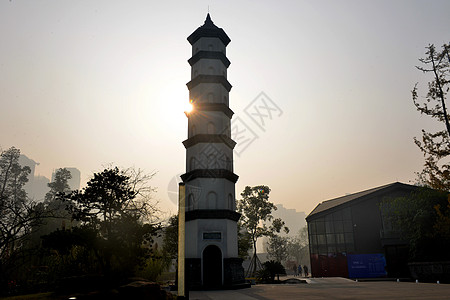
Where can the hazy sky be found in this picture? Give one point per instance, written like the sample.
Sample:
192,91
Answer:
87,83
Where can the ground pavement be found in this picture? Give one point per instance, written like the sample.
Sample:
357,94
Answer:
331,288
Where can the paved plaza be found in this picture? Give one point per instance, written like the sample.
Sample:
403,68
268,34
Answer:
331,288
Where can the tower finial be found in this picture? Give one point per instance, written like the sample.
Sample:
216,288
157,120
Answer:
208,21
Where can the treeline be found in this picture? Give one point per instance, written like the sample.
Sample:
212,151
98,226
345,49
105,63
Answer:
105,230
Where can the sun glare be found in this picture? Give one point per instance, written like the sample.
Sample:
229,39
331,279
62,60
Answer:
188,107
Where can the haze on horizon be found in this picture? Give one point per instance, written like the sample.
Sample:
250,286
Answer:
84,84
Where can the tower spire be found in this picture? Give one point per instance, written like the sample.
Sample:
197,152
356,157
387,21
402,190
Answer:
209,29
208,21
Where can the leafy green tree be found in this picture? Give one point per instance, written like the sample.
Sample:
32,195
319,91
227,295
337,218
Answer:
59,185
57,216
244,241
256,209
70,252
271,268
115,205
435,145
298,247
417,218
442,225
277,247
170,240
153,267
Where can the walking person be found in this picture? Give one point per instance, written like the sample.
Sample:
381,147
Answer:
305,269
294,268
300,270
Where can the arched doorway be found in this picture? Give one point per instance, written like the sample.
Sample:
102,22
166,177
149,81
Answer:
212,267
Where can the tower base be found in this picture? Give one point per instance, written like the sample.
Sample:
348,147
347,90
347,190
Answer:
233,275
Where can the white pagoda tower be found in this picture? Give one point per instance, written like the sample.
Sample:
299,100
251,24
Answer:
211,218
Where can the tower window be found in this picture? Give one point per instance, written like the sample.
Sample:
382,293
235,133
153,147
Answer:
192,164
190,203
211,161
211,129
210,47
230,202
211,200
210,97
228,163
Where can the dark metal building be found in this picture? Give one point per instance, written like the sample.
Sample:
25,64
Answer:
350,236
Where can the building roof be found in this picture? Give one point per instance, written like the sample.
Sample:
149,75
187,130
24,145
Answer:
325,205
208,29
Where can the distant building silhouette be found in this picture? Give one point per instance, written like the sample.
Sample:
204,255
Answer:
36,187
24,161
40,187
74,182
293,219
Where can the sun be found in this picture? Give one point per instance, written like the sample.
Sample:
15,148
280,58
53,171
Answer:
189,107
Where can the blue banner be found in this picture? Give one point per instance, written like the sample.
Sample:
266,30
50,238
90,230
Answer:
366,265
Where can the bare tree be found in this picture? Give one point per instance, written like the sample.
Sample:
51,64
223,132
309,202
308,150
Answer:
18,214
16,210
435,145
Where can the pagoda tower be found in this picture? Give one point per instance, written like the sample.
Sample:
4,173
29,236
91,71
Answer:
211,218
